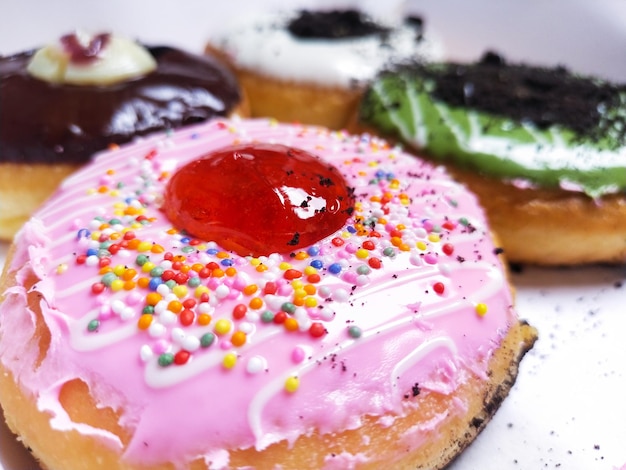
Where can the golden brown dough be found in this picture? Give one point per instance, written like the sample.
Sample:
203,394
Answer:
288,101
23,188
551,226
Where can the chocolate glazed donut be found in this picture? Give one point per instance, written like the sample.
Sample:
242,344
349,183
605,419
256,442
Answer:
53,123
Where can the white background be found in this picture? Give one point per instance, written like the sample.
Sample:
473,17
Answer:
568,409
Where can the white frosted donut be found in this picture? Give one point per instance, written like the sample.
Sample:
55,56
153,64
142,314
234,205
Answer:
311,78
264,44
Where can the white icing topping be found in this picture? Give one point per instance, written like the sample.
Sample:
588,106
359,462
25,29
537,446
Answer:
120,59
266,46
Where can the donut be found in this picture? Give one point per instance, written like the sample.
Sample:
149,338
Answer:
65,101
359,316
311,67
542,147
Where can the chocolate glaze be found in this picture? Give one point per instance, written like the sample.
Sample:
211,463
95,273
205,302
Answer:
49,123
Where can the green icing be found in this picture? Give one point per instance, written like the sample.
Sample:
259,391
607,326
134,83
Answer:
401,105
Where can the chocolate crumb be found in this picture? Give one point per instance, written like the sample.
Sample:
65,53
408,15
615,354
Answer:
477,422
295,240
516,268
334,24
543,96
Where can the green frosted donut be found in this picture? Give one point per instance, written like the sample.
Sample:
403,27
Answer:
536,126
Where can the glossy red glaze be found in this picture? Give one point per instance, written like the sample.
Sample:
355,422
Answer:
258,199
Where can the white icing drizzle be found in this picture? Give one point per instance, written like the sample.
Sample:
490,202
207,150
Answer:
539,155
158,377
413,358
385,328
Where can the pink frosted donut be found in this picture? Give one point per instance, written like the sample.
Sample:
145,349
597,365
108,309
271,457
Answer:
125,343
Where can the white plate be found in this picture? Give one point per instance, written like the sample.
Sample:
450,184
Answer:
567,409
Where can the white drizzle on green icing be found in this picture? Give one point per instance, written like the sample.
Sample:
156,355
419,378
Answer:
494,145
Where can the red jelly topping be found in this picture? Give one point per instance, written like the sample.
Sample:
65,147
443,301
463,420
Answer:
257,199
83,54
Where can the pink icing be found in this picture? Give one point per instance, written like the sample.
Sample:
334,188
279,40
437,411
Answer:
385,328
